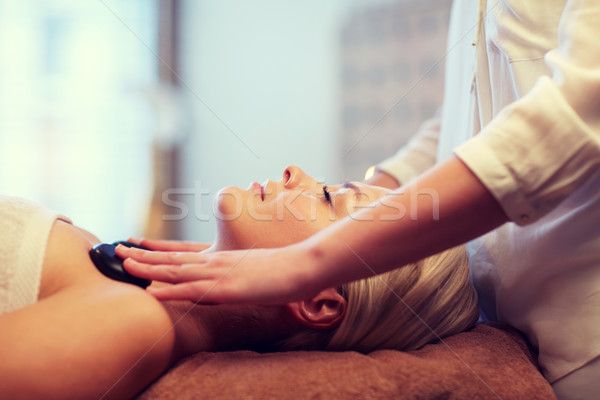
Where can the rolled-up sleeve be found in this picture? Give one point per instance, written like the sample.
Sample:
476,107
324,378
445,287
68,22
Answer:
418,155
541,148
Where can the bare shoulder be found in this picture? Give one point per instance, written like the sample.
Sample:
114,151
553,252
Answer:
87,336
66,260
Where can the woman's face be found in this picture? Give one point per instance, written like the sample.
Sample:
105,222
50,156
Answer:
277,214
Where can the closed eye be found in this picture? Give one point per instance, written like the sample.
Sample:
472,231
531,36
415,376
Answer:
326,194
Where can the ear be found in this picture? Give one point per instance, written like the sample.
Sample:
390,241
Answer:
324,311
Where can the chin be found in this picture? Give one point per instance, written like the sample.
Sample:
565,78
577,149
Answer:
235,228
229,203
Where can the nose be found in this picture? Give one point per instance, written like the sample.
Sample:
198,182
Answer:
294,177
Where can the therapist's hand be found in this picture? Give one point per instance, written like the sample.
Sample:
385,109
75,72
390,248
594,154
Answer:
258,276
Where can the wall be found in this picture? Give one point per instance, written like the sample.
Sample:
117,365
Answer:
392,77
260,81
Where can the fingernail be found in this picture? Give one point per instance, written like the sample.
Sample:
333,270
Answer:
129,262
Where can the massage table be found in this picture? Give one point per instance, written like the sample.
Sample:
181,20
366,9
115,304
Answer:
491,361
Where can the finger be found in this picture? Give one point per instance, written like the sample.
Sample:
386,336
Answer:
159,257
149,271
167,272
195,246
163,245
173,245
134,240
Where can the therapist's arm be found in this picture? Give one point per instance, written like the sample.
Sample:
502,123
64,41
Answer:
356,248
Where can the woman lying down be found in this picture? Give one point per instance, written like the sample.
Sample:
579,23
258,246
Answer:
67,331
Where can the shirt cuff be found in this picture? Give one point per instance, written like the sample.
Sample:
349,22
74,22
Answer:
401,171
496,177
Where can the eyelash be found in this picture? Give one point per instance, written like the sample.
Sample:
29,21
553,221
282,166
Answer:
326,194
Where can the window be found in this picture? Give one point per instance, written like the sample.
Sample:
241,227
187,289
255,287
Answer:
75,121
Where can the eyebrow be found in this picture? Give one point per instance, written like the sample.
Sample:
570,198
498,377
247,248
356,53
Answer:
350,185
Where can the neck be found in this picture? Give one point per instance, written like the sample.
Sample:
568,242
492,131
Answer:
226,328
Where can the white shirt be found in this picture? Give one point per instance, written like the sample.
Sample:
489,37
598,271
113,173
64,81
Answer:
522,110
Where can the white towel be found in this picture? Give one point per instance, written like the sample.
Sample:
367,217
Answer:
24,230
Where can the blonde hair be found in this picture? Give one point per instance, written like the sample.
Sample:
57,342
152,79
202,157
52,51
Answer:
403,309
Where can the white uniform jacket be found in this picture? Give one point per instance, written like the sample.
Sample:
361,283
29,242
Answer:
522,110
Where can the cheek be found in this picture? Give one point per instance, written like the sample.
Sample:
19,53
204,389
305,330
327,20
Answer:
278,223
277,232
292,231
244,233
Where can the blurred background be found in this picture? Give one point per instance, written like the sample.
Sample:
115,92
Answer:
129,115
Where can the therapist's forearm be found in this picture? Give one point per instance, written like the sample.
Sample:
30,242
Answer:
357,247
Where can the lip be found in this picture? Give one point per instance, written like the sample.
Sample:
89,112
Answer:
258,188
268,188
